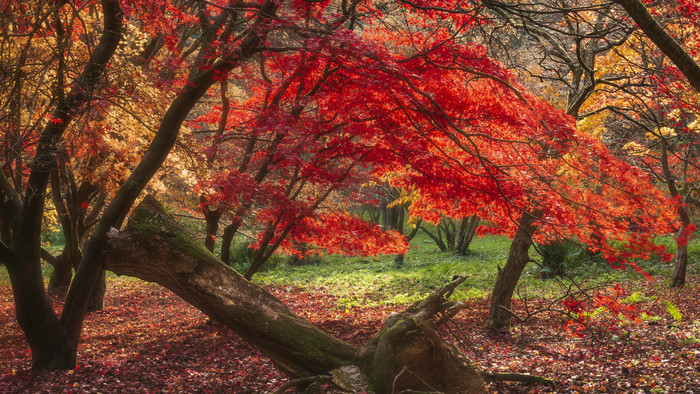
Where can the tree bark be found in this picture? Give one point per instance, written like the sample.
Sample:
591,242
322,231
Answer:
198,84
97,297
451,232
436,238
227,240
35,315
62,273
211,218
467,231
406,354
680,267
36,318
508,276
399,258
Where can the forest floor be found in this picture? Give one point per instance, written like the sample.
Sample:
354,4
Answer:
148,340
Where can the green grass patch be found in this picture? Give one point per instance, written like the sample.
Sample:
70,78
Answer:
377,281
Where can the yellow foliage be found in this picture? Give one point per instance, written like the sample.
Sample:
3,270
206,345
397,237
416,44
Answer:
406,198
634,149
593,125
694,126
50,221
665,132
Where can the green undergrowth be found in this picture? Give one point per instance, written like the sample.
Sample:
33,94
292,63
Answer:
357,281
376,280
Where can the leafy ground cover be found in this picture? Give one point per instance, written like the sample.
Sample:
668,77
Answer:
148,340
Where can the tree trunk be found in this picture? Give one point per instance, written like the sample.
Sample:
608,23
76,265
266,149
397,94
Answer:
466,233
406,354
212,221
227,240
399,258
680,267
211,216
47,336
36,318
97,296
499,312
436,238
89,271
62,273
448,226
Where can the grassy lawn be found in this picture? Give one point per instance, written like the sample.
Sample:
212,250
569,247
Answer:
376,280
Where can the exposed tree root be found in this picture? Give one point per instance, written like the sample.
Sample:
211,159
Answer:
301,382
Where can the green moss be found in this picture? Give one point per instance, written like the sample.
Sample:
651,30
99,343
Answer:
314,350
149,220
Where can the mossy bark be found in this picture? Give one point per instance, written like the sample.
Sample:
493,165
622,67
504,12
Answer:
406,354
155,248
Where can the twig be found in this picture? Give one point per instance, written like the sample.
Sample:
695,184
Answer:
447,319
303,381
405,369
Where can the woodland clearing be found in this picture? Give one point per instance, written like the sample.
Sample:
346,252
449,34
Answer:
148,340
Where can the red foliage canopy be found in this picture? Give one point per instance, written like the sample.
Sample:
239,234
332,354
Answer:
410,103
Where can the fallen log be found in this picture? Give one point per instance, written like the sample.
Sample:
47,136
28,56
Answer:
407,354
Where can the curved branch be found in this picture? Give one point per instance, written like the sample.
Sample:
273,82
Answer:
48,257
670,47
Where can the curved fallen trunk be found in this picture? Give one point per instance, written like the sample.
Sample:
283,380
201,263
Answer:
406,354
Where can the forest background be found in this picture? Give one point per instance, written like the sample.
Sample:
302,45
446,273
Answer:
323,129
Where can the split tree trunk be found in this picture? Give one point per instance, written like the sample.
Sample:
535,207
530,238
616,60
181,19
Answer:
508,276
62,273
436,238
406,354
46,335
467,230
